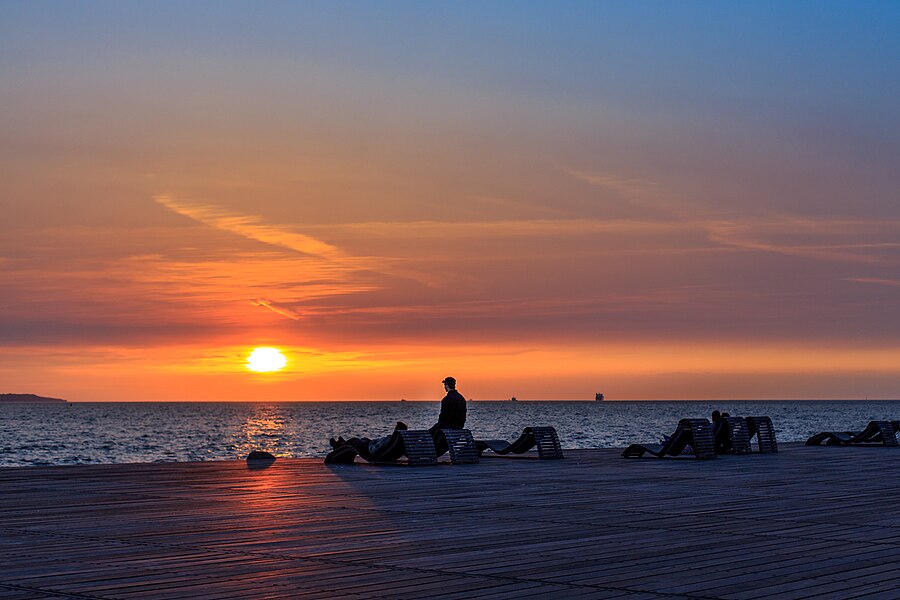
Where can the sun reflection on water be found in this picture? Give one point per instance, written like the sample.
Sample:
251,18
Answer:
267,429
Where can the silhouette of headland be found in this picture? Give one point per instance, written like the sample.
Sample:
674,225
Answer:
27,399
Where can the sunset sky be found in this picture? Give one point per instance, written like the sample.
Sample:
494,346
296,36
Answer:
649,199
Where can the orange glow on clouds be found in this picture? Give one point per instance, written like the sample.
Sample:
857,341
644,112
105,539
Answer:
623,372
535,211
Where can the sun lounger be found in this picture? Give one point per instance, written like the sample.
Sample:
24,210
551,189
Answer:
544,438
875,433
416,445
732,436
459,443
762,429
696,433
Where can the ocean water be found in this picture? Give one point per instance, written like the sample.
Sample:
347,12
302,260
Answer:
79,433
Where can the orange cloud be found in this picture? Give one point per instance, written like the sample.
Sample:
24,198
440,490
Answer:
250,227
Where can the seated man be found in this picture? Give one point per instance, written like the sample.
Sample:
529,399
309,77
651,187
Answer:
453,409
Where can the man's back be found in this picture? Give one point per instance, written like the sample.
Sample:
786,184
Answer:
453,411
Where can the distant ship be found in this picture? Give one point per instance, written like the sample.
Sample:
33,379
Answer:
598,397
513,399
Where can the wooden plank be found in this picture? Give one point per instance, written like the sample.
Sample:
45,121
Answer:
805,522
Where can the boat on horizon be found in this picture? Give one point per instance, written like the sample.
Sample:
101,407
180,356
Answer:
598,397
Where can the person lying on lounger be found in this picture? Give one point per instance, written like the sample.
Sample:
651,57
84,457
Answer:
365,446
665,440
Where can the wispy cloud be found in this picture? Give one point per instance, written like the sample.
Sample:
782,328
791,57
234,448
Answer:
495,229
874,280
832,239
626,186
839,240
251,227
278,309
254,228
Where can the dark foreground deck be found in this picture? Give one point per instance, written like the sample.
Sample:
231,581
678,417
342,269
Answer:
806,523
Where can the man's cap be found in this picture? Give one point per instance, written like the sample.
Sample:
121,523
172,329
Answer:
449,381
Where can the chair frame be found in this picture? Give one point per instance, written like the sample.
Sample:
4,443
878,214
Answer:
460,444
764,431
545,439
696,433
739,435
875,433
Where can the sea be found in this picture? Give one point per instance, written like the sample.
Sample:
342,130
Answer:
123,432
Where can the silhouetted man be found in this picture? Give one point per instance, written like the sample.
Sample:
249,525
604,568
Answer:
453,409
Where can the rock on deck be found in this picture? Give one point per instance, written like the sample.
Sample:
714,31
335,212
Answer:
807,522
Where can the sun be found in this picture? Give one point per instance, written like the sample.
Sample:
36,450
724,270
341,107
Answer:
266,360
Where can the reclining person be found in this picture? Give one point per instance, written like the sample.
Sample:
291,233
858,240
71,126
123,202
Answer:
365,447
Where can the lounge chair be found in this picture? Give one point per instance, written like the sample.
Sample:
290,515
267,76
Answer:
696,433
545,438
416,445
459,443
876,432
762,429
732,436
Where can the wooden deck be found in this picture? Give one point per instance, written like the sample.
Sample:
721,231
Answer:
805,523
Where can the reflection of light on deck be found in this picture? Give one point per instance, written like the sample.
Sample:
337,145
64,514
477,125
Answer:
284,494
288,489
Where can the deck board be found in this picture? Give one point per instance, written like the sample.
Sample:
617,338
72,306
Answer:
806,522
